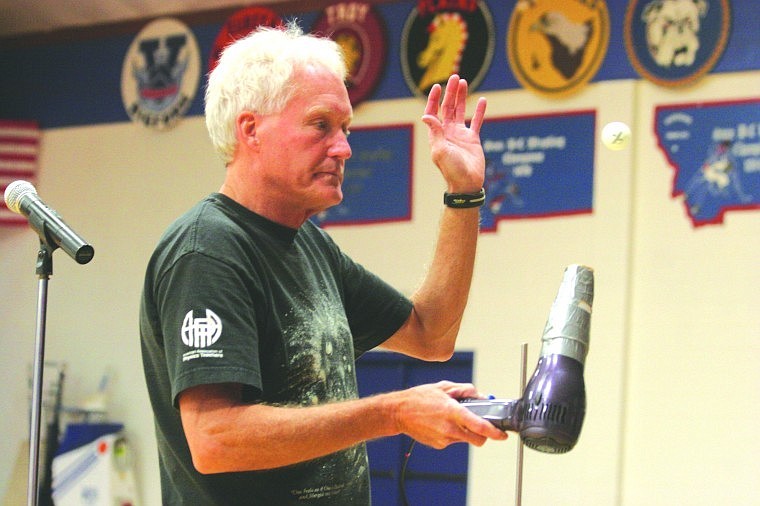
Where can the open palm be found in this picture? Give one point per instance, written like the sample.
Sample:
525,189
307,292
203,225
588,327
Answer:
455,148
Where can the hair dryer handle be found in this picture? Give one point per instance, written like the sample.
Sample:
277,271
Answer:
500,412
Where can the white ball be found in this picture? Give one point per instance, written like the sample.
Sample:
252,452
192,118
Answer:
616,135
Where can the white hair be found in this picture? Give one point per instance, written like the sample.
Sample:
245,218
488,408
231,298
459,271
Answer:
255,74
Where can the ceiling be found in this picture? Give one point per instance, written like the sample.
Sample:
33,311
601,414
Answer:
24,17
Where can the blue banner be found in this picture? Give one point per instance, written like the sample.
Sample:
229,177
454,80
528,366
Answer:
714,149
377,186
86,70
538,166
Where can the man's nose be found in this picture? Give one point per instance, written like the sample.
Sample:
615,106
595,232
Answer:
340,147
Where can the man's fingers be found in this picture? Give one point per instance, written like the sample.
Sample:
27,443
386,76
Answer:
433,98
454,105
475,439
481,427
435,128
477,435
477,117
449,104
461,103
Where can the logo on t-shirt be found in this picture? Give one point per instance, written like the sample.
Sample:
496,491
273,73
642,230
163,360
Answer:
201,332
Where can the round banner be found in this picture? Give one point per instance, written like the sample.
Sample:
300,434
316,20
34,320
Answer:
444,38
675,42
555,48
240,24
160,74
360,32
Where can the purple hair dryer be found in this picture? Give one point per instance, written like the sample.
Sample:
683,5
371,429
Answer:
550,413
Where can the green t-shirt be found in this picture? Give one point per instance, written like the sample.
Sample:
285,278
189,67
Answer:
231,297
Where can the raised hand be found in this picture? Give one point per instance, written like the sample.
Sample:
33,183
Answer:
455,148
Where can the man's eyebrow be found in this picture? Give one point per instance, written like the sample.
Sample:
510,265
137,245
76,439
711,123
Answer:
320,111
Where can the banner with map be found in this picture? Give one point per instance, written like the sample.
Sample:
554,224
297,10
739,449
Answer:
714,149
377,186
538,166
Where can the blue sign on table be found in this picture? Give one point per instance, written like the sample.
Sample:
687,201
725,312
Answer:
714,149
538,166
377,186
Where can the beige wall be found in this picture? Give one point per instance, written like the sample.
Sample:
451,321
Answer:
670,379
693,380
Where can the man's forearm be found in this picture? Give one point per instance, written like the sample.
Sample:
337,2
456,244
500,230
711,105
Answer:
439,303
441,299
225,436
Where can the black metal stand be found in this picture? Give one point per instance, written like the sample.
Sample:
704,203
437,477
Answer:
44,271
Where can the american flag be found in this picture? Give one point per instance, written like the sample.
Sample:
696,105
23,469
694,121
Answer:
19,148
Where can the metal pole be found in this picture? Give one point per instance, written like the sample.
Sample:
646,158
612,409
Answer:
39,360
520,445
44,270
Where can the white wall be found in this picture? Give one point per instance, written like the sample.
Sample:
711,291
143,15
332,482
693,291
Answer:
693,379
669,375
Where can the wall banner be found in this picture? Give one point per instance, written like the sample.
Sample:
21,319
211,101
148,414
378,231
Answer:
538,166
714,149
238,25
555,48
377,186
360,32
160,74
441,38
676,42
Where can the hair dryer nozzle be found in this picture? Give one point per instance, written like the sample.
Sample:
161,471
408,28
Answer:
554,402
550,413
567,327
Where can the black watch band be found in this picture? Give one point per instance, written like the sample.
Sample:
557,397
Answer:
465,200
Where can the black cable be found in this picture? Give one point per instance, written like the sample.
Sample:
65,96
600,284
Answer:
402,477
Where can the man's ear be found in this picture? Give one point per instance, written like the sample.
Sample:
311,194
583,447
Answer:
245,129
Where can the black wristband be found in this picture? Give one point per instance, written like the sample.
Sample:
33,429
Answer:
464,200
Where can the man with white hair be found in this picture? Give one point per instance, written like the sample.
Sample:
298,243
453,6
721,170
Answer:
251,316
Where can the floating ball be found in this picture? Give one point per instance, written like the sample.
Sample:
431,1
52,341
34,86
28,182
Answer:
616,135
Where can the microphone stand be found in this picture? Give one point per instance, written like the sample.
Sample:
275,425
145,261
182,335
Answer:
44,271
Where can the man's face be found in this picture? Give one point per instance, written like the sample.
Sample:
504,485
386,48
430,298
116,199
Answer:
304,147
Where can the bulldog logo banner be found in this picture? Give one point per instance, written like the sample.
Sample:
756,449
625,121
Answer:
675,42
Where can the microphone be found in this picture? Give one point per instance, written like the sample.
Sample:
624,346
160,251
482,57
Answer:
22,198
550,413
